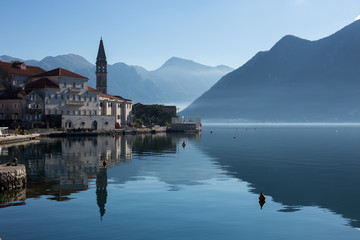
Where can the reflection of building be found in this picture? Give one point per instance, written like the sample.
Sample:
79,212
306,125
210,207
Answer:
101,192
60,167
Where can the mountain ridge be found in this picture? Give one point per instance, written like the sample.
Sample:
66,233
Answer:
296,80
175,81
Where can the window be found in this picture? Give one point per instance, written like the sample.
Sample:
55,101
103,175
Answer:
73,97
79,98
89,98
15,116
82,85
118,116
64,84
55,96
68,97
74,85
2,115
74,112
62,112
2,105
94,112
119,105
68,112
84,98
62,97
15,105
32,97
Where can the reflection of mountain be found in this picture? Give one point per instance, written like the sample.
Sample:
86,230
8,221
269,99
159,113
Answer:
158,155
297,167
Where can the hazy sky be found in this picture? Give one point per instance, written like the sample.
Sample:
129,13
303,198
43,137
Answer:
148,32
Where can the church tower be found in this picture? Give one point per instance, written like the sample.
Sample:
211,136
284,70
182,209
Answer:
101,69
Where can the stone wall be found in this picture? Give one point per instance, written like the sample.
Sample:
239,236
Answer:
12,176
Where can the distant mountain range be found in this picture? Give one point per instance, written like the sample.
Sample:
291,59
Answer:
177,81
295,81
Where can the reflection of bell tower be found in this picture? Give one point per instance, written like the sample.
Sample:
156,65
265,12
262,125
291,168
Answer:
101,69
101,192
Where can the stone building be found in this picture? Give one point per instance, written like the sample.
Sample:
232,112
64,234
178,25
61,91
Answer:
60,97
15,75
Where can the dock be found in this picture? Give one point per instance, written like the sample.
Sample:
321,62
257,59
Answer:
18,138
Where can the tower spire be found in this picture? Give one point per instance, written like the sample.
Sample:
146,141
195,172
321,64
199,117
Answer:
101,69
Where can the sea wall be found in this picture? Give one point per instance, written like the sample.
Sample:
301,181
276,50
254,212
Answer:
12,176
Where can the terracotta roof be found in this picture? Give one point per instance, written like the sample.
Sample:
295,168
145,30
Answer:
60,72
110,96
42,83
14,69
92,89
124,98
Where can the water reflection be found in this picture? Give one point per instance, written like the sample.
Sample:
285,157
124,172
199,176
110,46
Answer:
101,192
296,166
59,167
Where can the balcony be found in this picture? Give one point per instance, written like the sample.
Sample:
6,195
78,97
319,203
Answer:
75,103
75,89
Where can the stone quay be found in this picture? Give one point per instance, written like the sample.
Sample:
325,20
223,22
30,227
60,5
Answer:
12,177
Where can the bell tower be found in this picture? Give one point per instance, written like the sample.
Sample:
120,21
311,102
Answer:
101,69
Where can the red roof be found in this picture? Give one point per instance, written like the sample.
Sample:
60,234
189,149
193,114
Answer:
14,69
92,89
42,83
60,72
111,97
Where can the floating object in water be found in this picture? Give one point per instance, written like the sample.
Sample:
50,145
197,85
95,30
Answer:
184,144
262,200
262,197
234,137
104,163
50,155
211,131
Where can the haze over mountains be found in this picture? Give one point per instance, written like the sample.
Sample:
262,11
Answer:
176,81
295,81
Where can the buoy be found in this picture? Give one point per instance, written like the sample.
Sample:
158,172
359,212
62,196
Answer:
211,131
262,200
184,144
104,163
262,197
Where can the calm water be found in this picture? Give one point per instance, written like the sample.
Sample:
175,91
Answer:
153,188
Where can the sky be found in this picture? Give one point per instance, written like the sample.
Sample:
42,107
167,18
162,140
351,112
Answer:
149,32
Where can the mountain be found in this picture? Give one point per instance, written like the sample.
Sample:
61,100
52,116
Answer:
182,80
295,81
178,80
